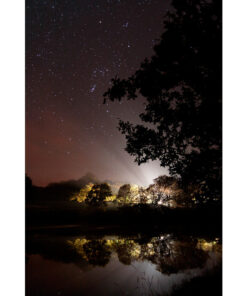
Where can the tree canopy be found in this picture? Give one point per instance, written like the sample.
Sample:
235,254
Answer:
98,194
182,87
124,193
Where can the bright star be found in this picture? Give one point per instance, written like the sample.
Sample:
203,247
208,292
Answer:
92,89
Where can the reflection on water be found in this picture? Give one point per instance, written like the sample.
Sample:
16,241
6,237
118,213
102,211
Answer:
113,265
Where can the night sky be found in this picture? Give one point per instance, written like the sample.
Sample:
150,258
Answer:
73,49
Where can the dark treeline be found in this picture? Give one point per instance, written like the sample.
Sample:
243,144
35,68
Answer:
60,191
164,190
57,204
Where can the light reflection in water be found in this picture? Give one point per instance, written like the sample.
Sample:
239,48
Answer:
117,265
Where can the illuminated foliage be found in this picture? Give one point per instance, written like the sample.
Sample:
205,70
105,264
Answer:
143,196
98,194
124,194
128,194
94,194
127,250
111,198
165,190
82,195
209,245
134,194
168,253
95,252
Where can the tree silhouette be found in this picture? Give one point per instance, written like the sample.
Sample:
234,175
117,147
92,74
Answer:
98,194
181,82
124,193
28,188
143,195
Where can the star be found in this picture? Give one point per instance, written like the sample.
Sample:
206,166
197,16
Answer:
73,50
92,89
125,25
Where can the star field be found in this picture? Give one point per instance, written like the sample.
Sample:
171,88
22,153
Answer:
73,49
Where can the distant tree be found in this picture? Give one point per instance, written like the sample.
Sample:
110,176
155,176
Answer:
105,190
128,194
111,198
28,181
124,193
182,87
134,194
167,182
98,193
28,188
165,190
67,190
157,196
83,193
143,195
169,191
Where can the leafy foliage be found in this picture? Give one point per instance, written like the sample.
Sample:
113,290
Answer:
128,193
124,193
98,194
170,254
82,195
182,121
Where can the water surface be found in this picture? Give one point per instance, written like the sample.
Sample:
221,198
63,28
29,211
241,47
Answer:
117,265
